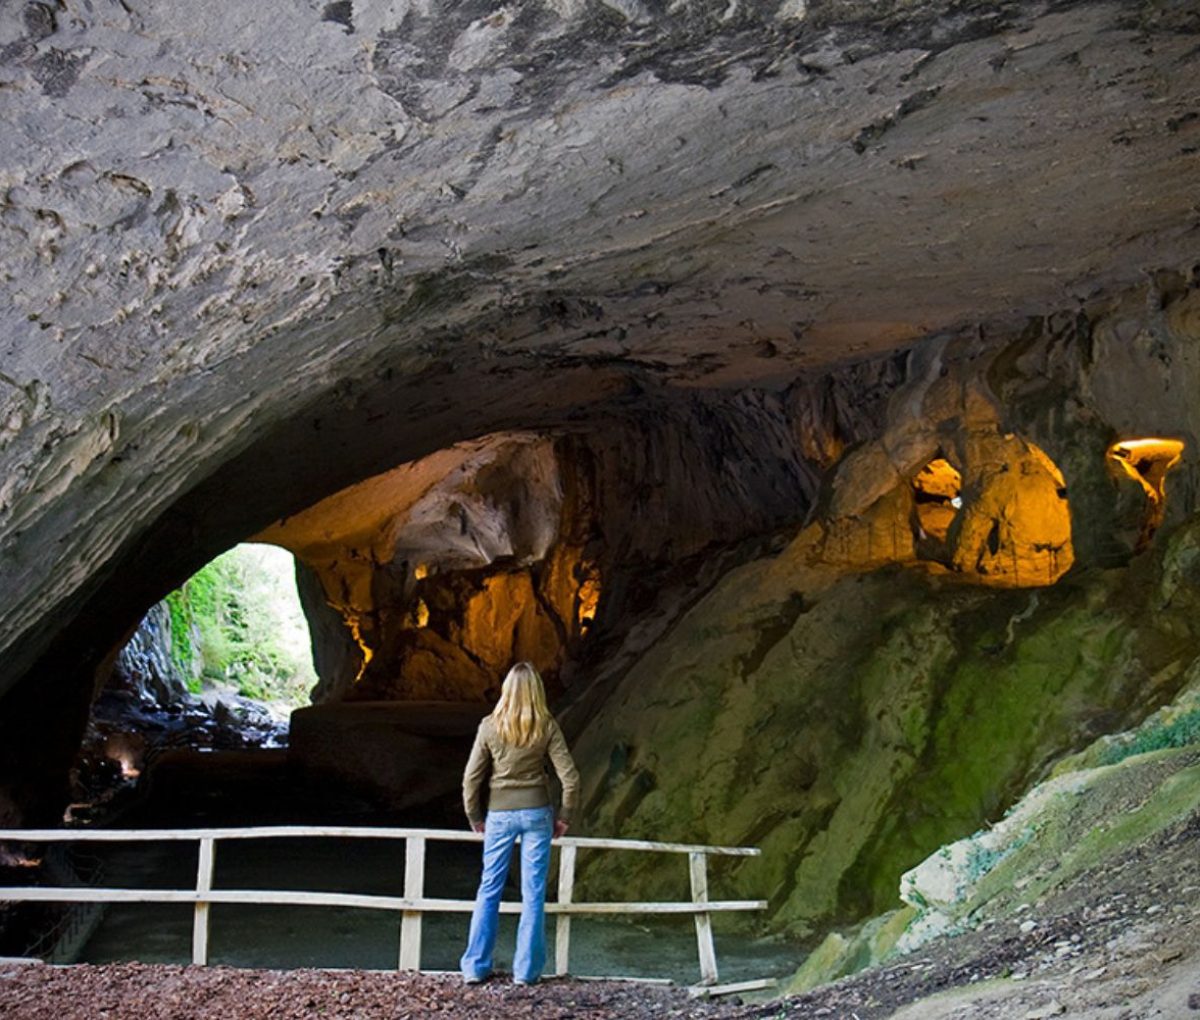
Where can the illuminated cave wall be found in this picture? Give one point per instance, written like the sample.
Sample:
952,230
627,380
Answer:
1146,460
427,581
896,675
994,511
443,571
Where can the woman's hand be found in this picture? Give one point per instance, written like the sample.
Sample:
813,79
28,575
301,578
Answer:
478,826
560,828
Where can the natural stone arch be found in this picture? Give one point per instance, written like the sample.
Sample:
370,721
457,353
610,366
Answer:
682,438
1011,526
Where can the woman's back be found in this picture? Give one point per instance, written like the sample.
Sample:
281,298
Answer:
518,775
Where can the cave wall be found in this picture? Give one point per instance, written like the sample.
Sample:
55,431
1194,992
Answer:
226,234
507,522
444,571
662,497
851,705
143,666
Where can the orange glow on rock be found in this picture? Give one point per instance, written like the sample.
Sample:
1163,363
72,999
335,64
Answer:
1016,528
1147,462
1007,503
367,652
937,489
587,600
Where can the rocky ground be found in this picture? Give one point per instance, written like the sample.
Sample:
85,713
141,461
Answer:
1121,943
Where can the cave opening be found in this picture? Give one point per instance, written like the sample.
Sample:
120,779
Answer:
937,499
237,626
216,666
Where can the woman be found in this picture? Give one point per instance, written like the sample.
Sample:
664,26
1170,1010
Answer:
514,742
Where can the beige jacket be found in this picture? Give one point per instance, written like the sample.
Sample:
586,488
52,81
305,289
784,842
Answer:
518,774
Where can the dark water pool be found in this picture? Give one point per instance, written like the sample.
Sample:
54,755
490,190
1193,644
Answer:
288,937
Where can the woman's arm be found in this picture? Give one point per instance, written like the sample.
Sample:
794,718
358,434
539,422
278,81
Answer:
568,775
473,776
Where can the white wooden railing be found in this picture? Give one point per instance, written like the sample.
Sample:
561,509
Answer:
412,906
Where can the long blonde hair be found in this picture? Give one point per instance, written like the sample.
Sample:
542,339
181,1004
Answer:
521,715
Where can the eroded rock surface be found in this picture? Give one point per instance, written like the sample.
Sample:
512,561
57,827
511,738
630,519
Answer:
847,703
226,229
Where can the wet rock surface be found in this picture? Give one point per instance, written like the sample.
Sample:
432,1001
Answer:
128,738
144,668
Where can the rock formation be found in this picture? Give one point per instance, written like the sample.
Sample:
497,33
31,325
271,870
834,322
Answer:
809,388
144,666
853,700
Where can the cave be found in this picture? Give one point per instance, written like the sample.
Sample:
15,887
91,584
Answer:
781,379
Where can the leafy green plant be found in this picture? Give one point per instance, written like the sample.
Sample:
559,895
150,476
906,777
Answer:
238,621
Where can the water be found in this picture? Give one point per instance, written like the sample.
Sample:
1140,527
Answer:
289,937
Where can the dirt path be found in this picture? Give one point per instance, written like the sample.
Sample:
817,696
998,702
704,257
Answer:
158,992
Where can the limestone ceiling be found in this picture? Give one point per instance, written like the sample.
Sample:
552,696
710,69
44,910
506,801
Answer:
214,214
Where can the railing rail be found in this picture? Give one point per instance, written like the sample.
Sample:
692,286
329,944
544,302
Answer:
412,905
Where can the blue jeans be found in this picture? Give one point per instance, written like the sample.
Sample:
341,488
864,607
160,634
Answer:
535,826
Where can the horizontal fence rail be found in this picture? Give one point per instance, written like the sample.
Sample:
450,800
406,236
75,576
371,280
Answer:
412,905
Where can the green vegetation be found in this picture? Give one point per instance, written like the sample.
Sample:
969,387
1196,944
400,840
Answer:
1179,732
238,621
897,714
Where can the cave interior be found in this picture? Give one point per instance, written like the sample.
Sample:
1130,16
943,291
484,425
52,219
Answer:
795,389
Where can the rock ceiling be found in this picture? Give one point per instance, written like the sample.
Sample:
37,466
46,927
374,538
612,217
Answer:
255,252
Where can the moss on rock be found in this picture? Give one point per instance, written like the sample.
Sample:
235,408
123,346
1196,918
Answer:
851,725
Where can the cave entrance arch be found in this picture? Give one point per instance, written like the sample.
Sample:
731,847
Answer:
235,627
217,665
238,624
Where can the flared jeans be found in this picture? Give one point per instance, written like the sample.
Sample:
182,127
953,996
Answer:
535,827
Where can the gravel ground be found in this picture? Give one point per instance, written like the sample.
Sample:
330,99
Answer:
120,991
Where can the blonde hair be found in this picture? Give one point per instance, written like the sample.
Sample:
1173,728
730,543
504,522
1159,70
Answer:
521,715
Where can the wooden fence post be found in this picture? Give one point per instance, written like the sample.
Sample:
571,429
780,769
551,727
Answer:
414,889
698,862
204,876
562,922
